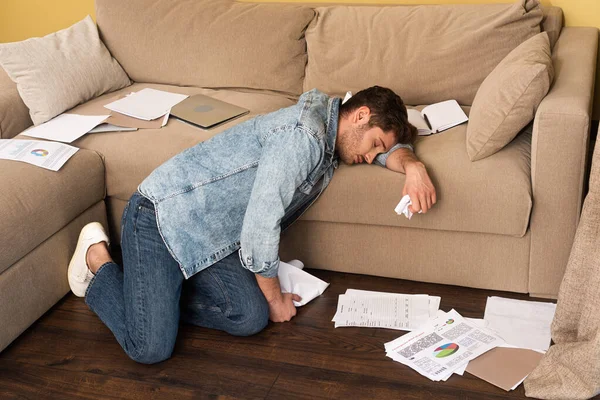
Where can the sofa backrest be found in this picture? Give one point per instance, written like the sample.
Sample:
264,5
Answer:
425,53
208,43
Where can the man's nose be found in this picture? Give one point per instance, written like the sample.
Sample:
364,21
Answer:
369,158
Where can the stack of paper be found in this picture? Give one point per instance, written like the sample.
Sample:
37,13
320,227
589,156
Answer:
385,310
443,346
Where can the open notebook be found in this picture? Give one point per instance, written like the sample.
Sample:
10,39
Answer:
437,117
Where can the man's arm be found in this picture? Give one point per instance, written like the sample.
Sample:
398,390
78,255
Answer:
418,185
287,158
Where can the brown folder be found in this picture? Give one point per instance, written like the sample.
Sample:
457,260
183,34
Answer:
130,122
504,367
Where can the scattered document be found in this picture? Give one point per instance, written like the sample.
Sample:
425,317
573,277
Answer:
111,128
66,127
444,345
434,301
437,117
48,155
521,323
384,310
504,367
293,279
147,104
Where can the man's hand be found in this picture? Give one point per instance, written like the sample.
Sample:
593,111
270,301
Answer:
418,184
419,187
281,307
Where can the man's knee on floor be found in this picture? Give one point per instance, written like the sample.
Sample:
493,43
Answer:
252,318
153,354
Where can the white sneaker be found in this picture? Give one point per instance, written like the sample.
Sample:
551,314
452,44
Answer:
79,274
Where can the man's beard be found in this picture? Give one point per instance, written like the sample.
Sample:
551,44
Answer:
349,143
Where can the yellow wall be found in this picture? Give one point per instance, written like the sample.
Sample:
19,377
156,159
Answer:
21,19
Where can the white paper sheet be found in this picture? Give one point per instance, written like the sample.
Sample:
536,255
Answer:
296,263
434,301
347,97
521,323
66,127
443,346
294,280
384,310
147,104
48,155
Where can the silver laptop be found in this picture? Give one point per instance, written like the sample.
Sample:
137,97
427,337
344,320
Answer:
206,112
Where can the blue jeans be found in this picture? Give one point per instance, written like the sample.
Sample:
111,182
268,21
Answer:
141,302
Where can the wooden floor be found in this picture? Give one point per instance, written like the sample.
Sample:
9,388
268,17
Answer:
69,354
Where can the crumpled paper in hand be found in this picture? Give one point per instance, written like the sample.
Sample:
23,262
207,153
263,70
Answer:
293,279
402,207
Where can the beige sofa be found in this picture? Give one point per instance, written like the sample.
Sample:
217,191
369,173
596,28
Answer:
506,222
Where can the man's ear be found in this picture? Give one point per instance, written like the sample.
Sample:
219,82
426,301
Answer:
362,115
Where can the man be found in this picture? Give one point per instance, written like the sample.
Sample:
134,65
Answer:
208,221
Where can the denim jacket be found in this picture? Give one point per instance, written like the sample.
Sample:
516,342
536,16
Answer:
233,191
238,189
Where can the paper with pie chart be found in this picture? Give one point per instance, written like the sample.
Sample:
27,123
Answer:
443,347
48,155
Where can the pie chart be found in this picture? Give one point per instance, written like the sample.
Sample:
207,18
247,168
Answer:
445,350
39,152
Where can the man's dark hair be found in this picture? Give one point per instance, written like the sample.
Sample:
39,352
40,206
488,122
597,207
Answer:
388,112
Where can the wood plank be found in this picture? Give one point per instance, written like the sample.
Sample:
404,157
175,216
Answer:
20,381
315,383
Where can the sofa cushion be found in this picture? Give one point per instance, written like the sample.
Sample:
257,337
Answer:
131,156
36,203
426,54
490,196
208,43
507,99
61,70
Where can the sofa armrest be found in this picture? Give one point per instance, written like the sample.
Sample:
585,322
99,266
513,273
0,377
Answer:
14,114
558,158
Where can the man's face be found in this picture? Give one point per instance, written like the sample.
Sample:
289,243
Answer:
361,143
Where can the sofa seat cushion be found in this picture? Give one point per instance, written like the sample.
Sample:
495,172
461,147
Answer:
36,203
492,195
131,156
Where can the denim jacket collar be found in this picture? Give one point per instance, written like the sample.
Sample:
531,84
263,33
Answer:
333,113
